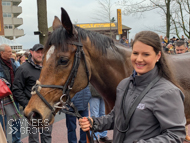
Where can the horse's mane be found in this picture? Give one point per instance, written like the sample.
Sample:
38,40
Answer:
59,37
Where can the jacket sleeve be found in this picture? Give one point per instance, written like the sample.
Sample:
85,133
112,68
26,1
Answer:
104,122
19,86
169,111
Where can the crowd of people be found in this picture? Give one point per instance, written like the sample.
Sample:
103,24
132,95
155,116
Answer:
162,98
171,46
175,45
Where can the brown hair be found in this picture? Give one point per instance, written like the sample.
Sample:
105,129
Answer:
152,39
180,43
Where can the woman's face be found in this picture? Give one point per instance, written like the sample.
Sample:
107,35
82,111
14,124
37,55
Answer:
23,58
143,57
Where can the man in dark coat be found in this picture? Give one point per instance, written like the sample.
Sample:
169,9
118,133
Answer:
7,71
25,78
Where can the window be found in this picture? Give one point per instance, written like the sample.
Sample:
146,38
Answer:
6,14
8,26
6,3
3,3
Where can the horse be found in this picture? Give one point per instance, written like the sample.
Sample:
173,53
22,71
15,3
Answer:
73,57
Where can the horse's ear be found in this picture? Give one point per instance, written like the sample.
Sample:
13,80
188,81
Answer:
56,23
66,22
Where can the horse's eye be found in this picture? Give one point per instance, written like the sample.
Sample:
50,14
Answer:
63,61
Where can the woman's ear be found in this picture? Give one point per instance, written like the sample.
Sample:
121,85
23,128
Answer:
159,55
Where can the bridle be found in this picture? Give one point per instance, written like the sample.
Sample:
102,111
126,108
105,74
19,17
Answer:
67,88
69,83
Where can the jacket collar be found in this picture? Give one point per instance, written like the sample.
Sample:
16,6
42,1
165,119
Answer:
30,61
145,78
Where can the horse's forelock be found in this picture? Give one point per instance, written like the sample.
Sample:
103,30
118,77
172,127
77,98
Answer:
57,38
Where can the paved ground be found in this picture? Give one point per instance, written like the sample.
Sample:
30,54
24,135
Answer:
59,134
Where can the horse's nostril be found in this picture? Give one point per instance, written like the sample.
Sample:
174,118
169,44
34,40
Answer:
34,117
37,115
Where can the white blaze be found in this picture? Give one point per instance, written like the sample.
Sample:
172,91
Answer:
50,52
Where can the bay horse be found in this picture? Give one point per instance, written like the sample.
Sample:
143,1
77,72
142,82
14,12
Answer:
101,61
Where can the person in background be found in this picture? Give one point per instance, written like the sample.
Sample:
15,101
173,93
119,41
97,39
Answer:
122,40
161,38
25,78
181,47
13,58
26,54
80,100
97,109
173,40
182,38
17,59
154,118
166,40
22,59
127,43
7,72
170,48
131,42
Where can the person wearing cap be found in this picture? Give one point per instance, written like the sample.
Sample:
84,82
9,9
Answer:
25,78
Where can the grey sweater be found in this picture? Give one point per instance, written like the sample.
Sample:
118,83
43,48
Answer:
159,117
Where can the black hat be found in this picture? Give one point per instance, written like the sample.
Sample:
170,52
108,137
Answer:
36,47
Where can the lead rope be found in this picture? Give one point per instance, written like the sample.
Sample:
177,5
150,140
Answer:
92,132
76,114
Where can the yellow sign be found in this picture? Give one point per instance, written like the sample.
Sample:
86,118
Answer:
95,25
119,23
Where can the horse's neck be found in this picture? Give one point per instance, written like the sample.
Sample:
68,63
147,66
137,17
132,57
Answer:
107,70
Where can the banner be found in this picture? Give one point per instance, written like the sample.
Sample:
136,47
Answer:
119,21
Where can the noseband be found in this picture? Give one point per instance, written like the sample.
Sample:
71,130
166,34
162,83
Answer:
69,83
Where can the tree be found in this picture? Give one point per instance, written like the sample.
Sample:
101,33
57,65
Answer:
181,18
104,13
42,21
133,7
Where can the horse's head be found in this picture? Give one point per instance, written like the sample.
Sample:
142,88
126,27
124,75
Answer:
64,72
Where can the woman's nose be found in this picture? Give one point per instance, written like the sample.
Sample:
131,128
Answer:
139,58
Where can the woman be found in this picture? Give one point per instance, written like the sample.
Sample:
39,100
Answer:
159,117
22,59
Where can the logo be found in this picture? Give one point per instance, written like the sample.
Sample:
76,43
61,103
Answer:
25,127
141,106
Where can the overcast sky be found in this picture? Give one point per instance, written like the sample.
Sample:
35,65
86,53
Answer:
81,11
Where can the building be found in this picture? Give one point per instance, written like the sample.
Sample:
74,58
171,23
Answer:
12,43
9,21
105,28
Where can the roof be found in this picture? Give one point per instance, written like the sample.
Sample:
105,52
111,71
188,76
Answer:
4,40
101,26
98,26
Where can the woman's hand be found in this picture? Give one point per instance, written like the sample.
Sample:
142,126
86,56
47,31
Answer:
85,124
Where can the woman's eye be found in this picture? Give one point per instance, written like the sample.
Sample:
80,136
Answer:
63,61
135,53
